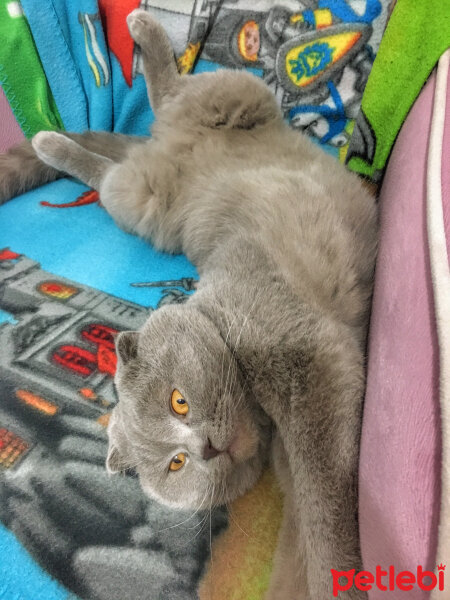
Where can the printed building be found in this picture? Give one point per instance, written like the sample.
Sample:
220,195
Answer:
56,350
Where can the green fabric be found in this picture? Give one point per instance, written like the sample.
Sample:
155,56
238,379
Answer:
22,77
417,34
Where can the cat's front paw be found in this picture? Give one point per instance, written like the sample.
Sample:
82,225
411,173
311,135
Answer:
142,26
49,146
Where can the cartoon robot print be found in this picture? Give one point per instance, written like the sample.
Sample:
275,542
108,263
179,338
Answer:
315,58
316,55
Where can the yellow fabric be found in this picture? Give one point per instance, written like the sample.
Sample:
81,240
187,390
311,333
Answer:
241,561
187,59
323,17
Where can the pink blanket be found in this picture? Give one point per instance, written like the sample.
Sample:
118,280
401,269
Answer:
400,471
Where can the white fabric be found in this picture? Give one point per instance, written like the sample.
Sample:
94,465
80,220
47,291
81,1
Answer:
440,273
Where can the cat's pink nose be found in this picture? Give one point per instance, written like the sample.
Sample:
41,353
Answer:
209,451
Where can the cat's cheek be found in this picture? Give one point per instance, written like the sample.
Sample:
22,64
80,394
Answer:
150,492
153,495
243,478
244,444
190,498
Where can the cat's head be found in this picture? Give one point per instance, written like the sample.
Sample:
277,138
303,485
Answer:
184,420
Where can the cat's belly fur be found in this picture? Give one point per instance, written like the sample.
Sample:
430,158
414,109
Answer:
323,251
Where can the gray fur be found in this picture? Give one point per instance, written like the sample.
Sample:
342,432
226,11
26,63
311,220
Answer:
21,169
271,346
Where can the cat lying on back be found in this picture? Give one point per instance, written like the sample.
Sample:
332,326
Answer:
267,357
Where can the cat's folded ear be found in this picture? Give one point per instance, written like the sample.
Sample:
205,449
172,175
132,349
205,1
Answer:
127,345
115,461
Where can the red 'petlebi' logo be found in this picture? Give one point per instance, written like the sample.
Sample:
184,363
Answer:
388,580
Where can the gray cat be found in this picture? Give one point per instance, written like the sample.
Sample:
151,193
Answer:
267,357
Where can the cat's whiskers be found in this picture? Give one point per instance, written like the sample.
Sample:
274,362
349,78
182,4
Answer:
225,346
238,339
205,518
220,493
222,496
189,518
232,407
233,518
210,525
136,464
239,400
203,523
232,372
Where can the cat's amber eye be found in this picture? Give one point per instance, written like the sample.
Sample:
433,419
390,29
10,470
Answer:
177,462
178,403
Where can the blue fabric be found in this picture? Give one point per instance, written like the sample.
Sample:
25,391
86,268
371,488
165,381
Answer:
21,578
131,111
85,245
108,104
309,17
346,13
59,38
335,116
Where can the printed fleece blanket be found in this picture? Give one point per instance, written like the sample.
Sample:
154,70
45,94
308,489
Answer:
69,279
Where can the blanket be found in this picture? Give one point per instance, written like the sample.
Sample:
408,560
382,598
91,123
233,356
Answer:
417,35
70,279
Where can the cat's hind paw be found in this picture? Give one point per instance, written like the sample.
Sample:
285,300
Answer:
51,147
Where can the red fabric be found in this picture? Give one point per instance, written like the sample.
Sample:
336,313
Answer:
114,21
7,254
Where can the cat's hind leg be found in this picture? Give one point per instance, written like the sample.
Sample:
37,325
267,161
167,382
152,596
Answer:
21,169
160,70
65,155
137,192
